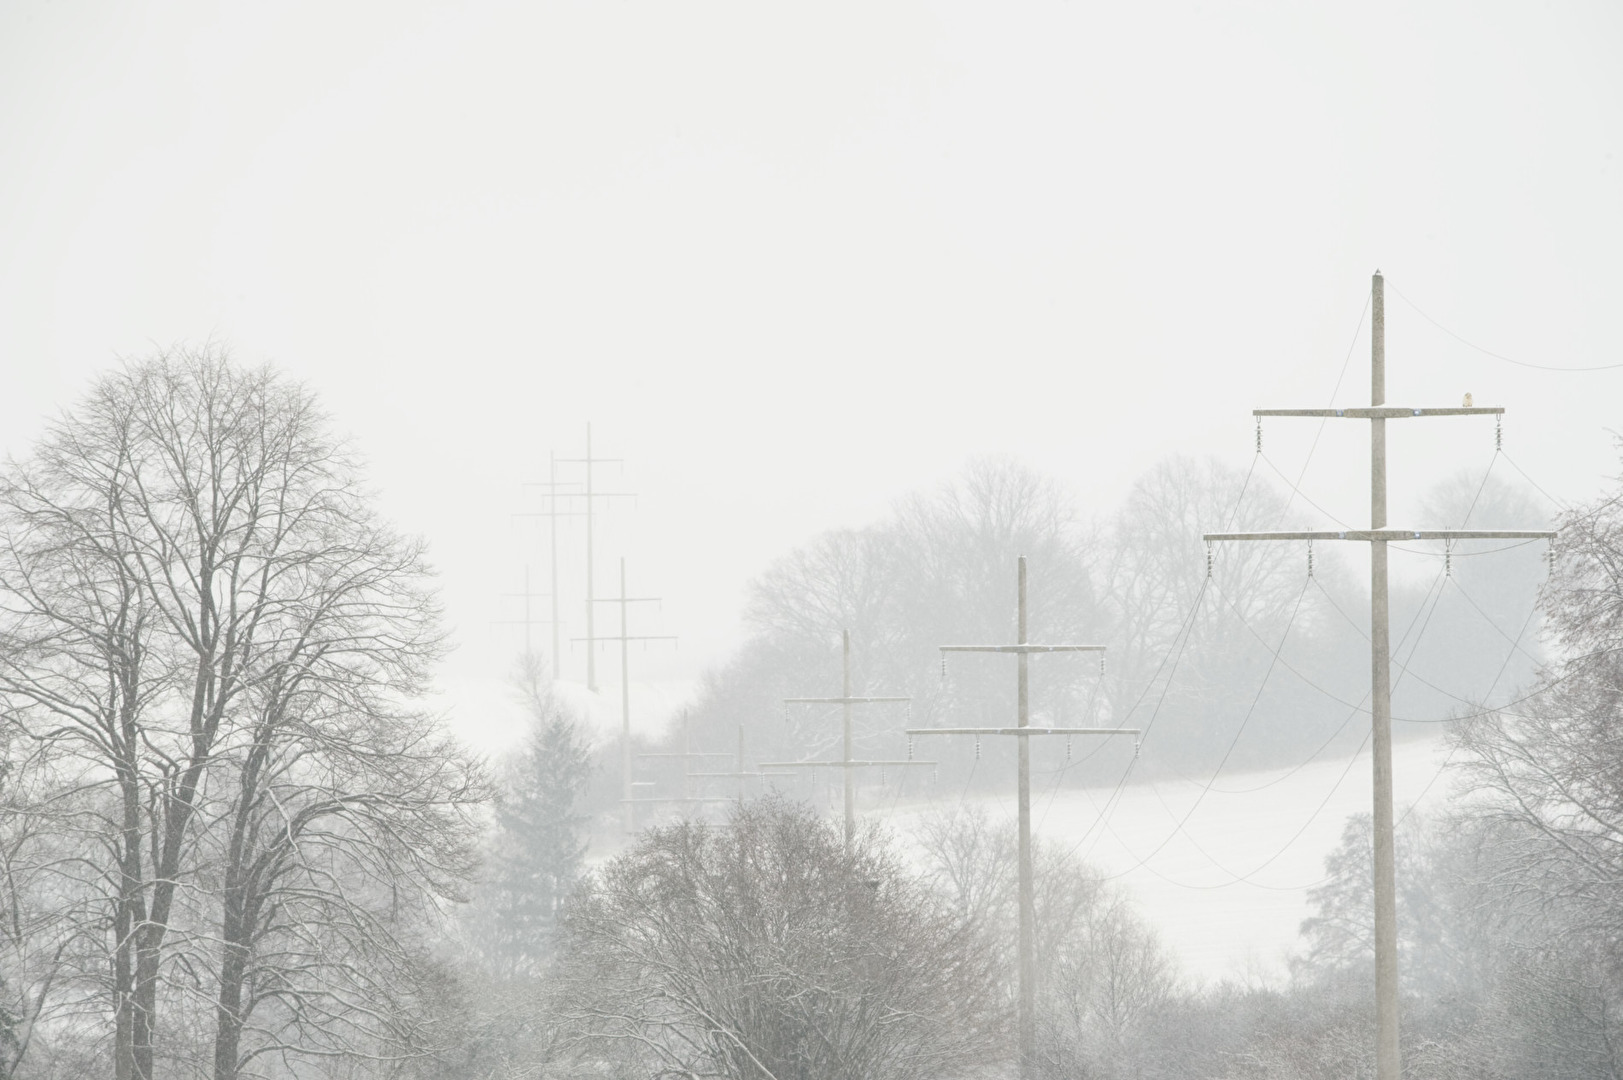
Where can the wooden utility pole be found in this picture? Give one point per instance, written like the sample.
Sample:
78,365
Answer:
739,773
591,495
625,638
1388,1062
847,763
1028,913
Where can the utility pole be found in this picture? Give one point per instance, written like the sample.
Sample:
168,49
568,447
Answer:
846,762
739,774
590,494
685,755
1023,649
552,514
1388,1063
625,639
527,621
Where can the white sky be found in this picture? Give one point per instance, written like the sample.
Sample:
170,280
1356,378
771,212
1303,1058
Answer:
793,261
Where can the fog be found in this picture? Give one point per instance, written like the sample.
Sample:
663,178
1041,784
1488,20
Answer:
815,278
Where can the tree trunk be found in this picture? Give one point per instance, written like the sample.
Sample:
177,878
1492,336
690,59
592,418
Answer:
228,1015
128,914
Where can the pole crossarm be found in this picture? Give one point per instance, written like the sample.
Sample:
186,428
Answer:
1021,649
1389,534
839,700
589,459
1385,412
1023,731
837,763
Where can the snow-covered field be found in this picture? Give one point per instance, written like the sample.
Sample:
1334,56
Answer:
1223,873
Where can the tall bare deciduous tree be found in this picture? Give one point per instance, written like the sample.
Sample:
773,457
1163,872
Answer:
209,632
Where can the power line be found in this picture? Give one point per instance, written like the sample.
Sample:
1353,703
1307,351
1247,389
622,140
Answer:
1346,361
1498,356
1246,719
1180,826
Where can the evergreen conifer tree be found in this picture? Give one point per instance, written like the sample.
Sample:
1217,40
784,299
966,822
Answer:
539,843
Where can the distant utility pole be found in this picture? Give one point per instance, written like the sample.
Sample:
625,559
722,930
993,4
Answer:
846,761
527,621
1387,1061
739,774
1028,908
552,514
590,494
625,640
685,755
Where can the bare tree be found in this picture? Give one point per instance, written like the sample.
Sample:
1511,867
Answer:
202,611
1548,769
1108,983
971,861
764,950
1103,977
51,923
1220,629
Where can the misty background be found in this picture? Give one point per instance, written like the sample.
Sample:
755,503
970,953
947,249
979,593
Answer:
871,300
797,265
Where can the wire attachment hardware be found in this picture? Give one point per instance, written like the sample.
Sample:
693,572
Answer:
1067,749
1448,558
1259,434
1498,432
1208,562
943,668
977,748
910,748
1101,663
1310,560
1137,745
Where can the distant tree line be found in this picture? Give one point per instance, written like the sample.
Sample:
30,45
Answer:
1190,653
